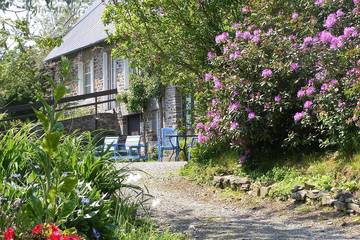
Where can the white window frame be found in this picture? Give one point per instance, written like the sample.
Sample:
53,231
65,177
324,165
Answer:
91,66
80,89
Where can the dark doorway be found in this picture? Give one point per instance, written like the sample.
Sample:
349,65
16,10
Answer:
134,124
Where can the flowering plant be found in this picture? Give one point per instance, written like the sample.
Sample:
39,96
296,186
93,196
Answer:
285,78
43,231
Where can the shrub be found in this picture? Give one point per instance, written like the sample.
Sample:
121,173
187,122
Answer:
286,77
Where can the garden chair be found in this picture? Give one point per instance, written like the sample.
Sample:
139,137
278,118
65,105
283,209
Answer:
111,144
168,143
133,147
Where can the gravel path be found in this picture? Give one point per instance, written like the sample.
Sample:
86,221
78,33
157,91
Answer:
195,210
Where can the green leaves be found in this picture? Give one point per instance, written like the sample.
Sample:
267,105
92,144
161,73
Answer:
68,184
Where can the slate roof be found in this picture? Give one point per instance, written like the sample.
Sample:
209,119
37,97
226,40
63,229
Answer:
88,31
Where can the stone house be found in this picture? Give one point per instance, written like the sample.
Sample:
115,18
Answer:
95,70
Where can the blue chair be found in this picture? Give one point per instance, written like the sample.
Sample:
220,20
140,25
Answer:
168,143
111,144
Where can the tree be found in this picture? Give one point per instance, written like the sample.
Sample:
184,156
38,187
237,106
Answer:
170,38
27,34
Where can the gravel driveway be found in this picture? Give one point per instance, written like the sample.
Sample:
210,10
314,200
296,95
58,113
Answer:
192,209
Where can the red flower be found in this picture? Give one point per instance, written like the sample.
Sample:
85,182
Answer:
37,229
54,228
55,235
72,237
9,234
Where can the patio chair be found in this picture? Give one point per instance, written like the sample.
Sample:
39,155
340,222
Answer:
133,147
111,144
168,143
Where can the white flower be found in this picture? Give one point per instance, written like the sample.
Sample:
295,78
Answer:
155,203
133,178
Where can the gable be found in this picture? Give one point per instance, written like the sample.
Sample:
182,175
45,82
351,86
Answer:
88,31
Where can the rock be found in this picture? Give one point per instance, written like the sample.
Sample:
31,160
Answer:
314,194
218,181
297,188
309,186
245,187
354,207
344,224
299,196
327,200
342,195
241,180
264,191
340,206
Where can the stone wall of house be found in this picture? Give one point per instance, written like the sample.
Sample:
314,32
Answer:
104,121
173,104
172,100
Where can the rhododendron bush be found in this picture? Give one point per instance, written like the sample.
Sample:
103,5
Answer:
287,74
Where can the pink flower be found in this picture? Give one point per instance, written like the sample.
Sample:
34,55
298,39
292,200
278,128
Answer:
222,37
350,32
324,88
310,90
200,126
277,98
330,20
298,116
234,125
235,55
211,55
301,93
339,13
251,115
256,39
201,138
356,1
308,104
294,67
217,84
266,73
269,32
234,106
319,2
214,102
246,35
245,9
308,41
208,76
238,34
326,37
294,16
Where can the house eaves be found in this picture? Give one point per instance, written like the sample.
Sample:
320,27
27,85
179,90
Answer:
88,31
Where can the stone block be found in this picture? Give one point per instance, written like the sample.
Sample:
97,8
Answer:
299,196
297,188
353,206
327,200
340,206
264,191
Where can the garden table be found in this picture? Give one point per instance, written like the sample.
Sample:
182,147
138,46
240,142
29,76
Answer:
185,148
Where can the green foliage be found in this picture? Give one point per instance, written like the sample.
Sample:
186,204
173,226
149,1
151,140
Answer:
208,161
282,172
142,89
170,39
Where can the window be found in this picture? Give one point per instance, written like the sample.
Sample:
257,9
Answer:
87,78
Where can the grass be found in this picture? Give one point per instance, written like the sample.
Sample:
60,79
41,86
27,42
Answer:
145,229
326,171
